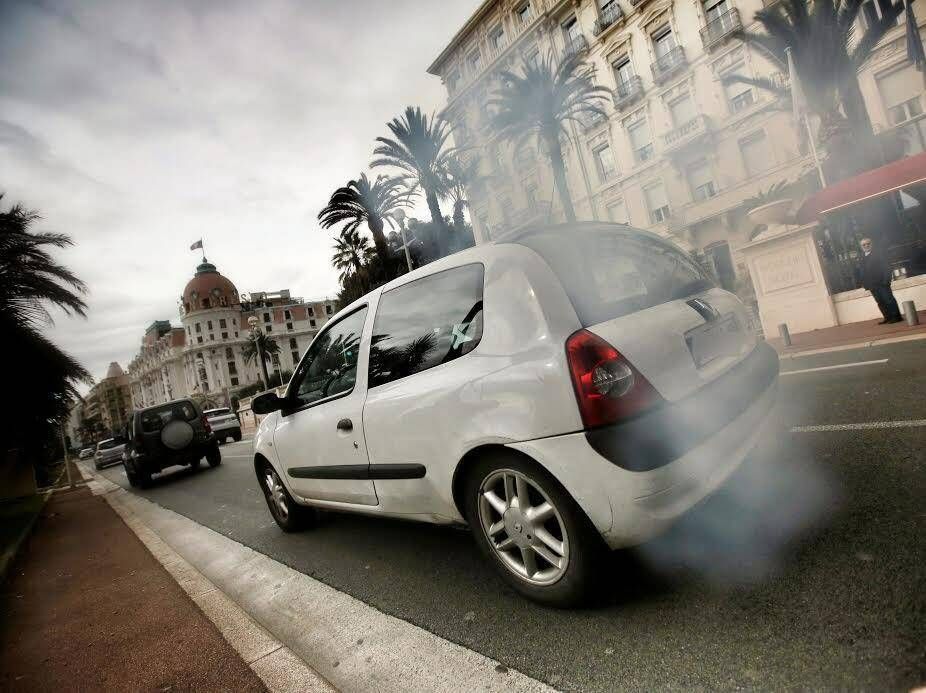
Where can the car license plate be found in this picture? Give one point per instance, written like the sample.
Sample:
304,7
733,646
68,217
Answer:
713,340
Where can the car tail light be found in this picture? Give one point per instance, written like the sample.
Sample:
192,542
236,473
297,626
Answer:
206,424
608,387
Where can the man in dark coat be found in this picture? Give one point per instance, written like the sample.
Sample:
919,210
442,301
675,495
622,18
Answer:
876,277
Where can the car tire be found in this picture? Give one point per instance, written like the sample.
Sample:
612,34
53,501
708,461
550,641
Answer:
143,477
563,569
214,456
195,463
130,475
289,515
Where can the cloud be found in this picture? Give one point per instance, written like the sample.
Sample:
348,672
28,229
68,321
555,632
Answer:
138,127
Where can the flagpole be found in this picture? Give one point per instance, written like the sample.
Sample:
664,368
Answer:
813,151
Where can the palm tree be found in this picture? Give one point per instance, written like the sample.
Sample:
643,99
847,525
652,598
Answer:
540,101
419,148
46,378
819,34
351,255
267,343
458,176
361,201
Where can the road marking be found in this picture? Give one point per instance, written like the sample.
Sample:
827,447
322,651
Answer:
913,423
839,365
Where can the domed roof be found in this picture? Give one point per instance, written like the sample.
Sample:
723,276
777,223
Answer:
115,370
208,290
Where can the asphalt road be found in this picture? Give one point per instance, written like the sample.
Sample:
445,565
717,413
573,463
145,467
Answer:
807,570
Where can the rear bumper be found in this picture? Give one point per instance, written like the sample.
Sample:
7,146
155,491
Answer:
157,462
629,507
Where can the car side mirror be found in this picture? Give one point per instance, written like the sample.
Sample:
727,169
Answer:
267,402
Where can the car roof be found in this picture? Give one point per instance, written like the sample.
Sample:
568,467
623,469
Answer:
212,411
182,400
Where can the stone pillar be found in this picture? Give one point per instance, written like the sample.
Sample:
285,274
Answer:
789,281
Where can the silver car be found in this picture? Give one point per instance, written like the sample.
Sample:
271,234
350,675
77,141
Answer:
224,424
108,452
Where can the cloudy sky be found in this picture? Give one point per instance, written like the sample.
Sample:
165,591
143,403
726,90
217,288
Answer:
139,127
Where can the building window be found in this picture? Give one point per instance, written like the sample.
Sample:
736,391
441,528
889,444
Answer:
311,323
453,81
739,96
328,309
497,38
225,335
295,356
287,314
292,343
617,212
604,162
211,337
682,110
266,317
289,326
623,73
717,11
199,327
757,154
475,61
657,203
199,339
223,323
268,328
232,368
663,43
311,310
640,142
904,106
701,181
206,303
229,354
524,14
876,10
234,381
208,324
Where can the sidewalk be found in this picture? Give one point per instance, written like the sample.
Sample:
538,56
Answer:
87,607
856,334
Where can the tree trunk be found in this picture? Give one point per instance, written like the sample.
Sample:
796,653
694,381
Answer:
440,228
375,225
559,175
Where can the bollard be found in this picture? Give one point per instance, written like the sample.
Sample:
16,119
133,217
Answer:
785,334
909,312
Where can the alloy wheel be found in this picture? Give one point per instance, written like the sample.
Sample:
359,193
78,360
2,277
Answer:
523,527
276,494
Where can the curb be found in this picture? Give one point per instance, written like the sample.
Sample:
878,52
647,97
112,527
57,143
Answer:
7,558
849,347
274,663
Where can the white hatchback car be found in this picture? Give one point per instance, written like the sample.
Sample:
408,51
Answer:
573,388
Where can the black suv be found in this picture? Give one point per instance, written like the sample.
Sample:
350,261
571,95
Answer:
167,435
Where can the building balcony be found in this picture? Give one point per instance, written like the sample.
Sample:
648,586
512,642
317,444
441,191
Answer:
496,48
669,64
628,92
575,45
686,134
609,16
720,28
522,23
590,120
540,212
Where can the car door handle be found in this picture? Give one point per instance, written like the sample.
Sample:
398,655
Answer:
345,425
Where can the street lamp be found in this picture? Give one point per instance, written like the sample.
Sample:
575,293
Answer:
399,214
255,335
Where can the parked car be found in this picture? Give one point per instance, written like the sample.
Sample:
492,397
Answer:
108,452
86,453
224,424
576,388
175,433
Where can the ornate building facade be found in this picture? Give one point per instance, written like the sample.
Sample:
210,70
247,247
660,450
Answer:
680,149
204,357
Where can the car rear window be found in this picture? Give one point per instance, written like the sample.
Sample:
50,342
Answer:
612,271
107,444
155,419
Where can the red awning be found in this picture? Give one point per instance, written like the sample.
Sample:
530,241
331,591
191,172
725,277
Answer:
865,186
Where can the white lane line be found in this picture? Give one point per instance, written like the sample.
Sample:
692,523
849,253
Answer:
913,423
839,365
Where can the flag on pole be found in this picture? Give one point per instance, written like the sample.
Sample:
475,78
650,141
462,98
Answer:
198,245
915,52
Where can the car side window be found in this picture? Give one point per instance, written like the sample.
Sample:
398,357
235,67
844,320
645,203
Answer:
330,365
427,322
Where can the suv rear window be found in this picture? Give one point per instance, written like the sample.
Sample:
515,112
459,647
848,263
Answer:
217,412
107,444
612,271
155,419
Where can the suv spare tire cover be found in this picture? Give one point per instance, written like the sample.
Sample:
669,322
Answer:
176,435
